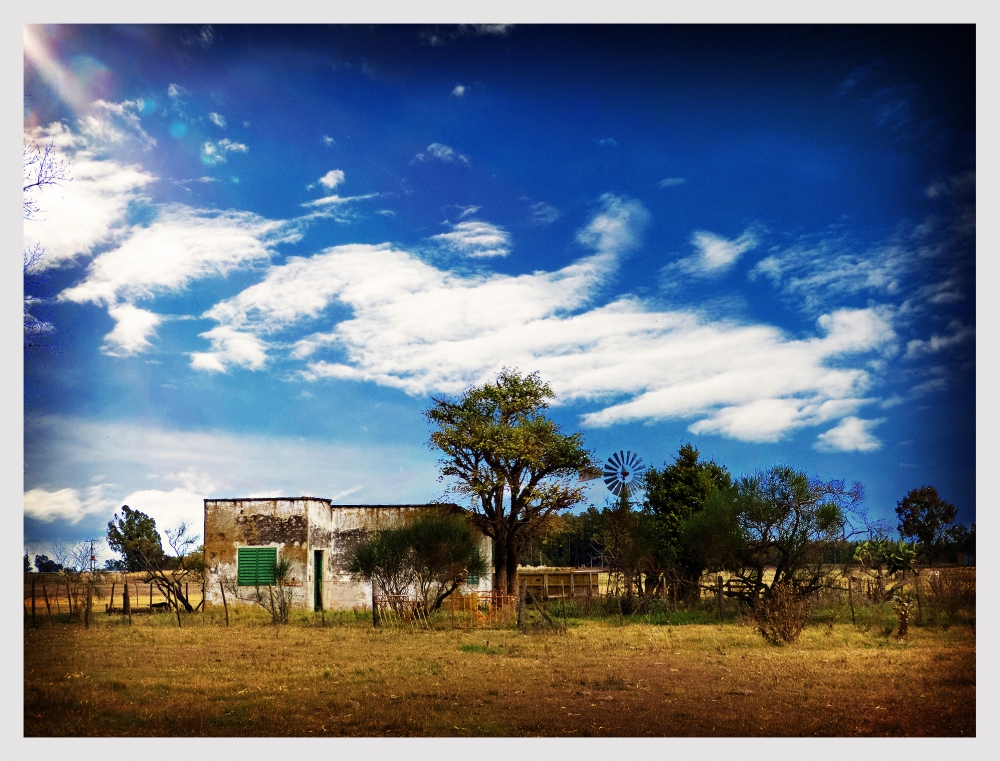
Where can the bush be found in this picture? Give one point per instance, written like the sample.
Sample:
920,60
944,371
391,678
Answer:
782,616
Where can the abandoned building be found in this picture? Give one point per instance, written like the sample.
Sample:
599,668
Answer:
245,537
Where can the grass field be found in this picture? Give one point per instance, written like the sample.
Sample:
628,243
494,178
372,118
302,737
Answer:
594,679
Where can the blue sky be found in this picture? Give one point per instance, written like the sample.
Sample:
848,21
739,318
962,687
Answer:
279,242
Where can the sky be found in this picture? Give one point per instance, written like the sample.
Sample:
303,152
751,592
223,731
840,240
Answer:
278,243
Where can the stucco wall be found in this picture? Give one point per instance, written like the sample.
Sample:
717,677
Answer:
299,527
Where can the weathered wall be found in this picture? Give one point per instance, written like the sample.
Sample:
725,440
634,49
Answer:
298,527
233,523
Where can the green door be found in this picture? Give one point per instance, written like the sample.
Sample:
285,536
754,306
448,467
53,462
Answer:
317,580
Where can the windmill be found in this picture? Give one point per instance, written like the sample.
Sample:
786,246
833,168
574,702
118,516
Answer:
623,473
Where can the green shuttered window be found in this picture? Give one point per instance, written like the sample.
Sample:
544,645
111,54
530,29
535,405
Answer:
255,566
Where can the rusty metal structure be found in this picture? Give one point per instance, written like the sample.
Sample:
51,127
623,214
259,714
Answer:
312,533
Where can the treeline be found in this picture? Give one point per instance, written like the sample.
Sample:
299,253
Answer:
694,516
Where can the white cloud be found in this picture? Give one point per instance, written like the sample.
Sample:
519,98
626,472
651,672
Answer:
230,348
88,211
327,202
716,254
608,142
475,240
181,245
459,91
217,152
332,179
423,329
671,182
175,91
443,153
850,435
217,119
328,141
958,334
543,213
133,327
67,504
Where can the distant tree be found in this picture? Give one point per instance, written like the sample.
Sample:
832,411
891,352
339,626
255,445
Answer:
961,538
133,535
44,565
512,463
114,565
779,519
672,495
27,563
924,517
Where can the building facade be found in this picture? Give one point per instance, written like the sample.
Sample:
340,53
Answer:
244,538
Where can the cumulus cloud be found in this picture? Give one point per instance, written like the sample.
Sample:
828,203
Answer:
217,119
332,179
608,142
217,152
133,328
459,91
475,239
715,254
328,141
671,182
230,348
850,435
175,91
423,329
443,153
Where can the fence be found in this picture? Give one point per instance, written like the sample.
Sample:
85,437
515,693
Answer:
56,594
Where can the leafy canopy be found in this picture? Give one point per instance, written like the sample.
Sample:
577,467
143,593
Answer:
135,538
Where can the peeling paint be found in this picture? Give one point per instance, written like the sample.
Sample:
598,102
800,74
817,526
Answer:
299,526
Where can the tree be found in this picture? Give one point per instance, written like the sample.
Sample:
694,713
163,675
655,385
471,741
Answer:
924,516
27,563
433,553
513,464
44,565
779,518
135,538
672,496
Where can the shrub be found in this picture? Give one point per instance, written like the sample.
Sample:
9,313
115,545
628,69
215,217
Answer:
782,616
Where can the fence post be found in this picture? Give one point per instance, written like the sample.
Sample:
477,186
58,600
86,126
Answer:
376,620
850,598
225,605
127,603
32,601
86,608
718,596
150,597
111,601
48,608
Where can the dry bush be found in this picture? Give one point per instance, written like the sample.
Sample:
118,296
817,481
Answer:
781,617
951,591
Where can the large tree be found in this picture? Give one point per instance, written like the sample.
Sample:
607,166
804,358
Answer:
924,517
779,518
672,495
511,464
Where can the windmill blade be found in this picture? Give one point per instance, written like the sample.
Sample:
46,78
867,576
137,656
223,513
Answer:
614,461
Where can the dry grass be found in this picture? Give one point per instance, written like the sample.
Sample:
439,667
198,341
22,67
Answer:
595,679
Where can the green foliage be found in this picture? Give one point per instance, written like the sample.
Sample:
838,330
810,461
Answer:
44,565
673,496
924,516
433,553
777,518
895,556
512,464
135,538
27,563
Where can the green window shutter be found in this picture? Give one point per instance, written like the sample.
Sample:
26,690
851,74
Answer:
255,566
473,580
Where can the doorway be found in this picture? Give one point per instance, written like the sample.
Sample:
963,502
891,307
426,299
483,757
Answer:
317,580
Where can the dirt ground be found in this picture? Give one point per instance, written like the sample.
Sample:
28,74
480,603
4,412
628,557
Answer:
595,679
